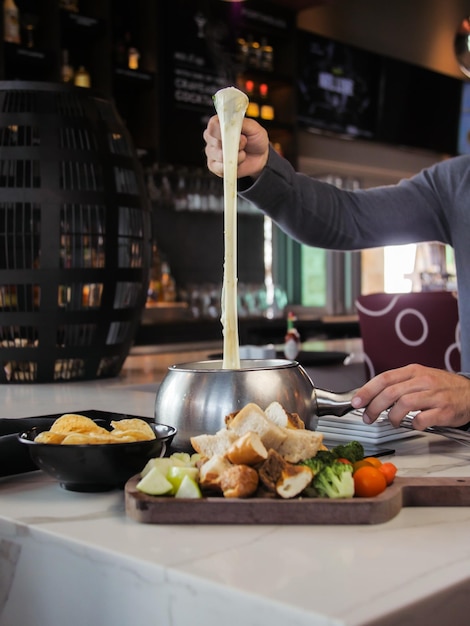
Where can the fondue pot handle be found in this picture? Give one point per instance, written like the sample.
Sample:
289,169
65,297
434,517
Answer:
332,403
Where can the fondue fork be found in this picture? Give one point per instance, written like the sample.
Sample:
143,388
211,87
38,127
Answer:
455,434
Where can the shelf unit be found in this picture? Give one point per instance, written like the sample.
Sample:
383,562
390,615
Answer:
167,131
99,35
91,38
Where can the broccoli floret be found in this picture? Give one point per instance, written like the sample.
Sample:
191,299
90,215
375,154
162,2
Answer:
325,456
315,464
335,481
352,451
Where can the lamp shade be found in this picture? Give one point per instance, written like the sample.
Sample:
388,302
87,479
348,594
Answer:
74,235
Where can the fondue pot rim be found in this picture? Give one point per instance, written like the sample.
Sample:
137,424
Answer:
245,365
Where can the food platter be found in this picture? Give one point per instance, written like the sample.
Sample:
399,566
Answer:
404,492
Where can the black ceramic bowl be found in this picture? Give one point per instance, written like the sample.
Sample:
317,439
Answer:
96,467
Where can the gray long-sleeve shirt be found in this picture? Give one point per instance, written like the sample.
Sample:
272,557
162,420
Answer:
434,205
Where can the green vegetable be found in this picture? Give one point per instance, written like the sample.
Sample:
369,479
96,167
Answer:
315,464
352,451
335,481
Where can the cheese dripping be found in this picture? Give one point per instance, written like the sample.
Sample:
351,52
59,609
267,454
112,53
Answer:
231,105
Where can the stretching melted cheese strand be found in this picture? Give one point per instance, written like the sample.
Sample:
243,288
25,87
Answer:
230,104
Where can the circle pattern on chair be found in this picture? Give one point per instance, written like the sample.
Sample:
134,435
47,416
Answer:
418,327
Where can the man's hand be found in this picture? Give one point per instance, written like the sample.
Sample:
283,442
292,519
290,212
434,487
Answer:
443,398
253,152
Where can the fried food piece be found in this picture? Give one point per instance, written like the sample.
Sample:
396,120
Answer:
271,470
293,480
239,481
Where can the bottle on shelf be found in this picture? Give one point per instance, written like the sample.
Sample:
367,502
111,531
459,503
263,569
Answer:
67,73
69,5
266,56
292,341
266,109
133,57
82,77
243,52
11,22
253,106
168,284
254,53
154,293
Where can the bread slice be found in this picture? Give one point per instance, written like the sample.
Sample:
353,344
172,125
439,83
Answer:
209,445
211,471
247,450
276,413
300,444
252,417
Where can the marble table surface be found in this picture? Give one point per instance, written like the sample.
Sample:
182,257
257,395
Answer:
76,559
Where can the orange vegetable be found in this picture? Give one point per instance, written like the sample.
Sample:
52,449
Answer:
373,460
389,470
369,481
361,463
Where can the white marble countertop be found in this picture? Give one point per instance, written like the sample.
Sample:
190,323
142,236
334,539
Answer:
76,559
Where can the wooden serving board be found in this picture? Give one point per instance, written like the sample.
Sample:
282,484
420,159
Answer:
404,492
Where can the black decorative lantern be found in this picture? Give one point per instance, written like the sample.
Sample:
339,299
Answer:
74,235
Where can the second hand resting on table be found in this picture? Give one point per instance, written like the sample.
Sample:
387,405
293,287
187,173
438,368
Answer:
442,398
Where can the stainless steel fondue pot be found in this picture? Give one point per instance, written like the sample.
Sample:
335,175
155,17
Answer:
195,397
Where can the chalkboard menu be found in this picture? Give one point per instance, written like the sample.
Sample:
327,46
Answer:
199,56
338,87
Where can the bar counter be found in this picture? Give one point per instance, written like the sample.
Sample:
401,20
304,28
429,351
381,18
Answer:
77,559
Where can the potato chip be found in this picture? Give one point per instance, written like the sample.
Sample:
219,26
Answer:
132,435
49,437
73,429
77,439
134,424
72,423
